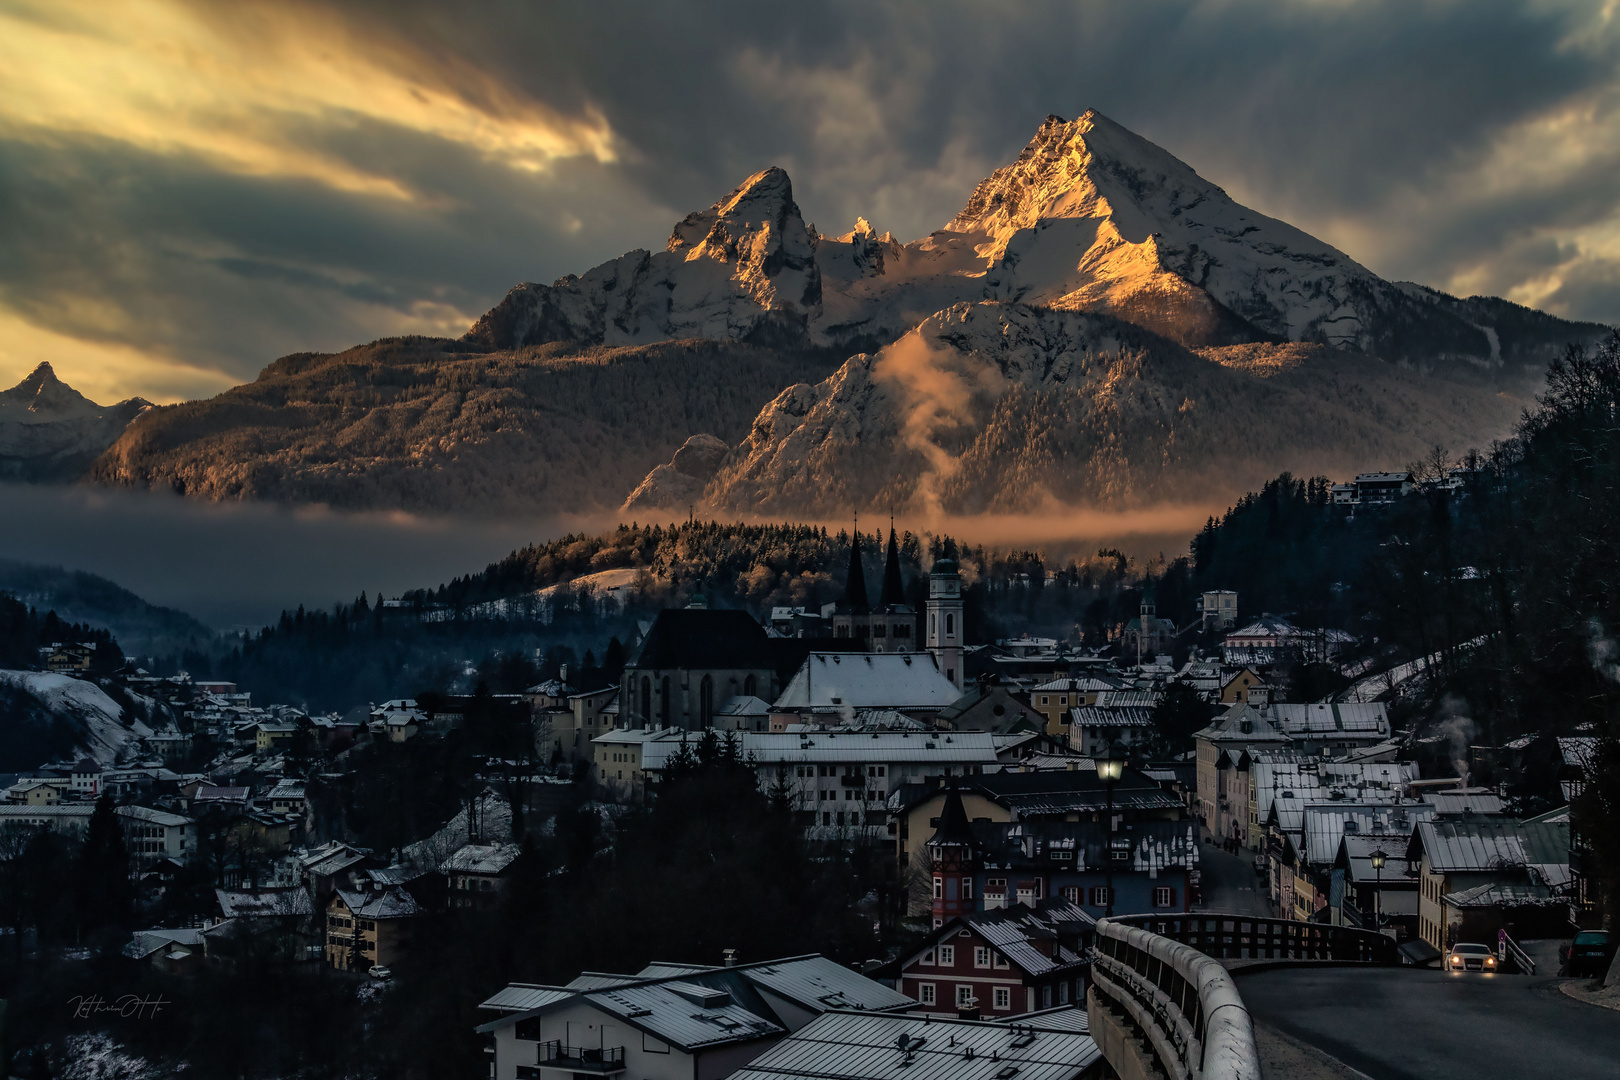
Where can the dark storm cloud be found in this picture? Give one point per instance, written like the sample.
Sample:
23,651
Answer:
452,150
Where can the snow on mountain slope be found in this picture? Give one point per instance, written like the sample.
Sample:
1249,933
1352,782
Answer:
50,431
64,715
1089,217
744,269
997,407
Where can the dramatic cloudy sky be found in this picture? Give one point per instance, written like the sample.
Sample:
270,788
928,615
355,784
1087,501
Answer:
188,190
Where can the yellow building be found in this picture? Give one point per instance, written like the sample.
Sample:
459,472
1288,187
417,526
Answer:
618,757
368,929
1054,699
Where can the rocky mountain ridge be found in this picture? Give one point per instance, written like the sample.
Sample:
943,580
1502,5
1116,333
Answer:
1007,408
1099,323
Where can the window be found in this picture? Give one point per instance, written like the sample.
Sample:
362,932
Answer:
706,702
1071,893
950,624
1063,993
1003,998
751,686
528,1029
947,955
967,888
939,888
964,995
999,961
925,993
981,957
1045,700
1164,896
663,701
1099,896
927,958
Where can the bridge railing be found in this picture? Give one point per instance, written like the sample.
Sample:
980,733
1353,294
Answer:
1181,1003
1161,1003
1243,937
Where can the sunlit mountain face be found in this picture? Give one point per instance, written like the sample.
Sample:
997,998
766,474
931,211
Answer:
195,189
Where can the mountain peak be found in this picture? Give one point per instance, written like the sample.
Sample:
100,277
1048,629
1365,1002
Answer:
1089,167
42,377
764,199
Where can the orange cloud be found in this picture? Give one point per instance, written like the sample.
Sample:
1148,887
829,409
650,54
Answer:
239,87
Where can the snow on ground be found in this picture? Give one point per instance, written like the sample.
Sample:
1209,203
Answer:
604,585
98,1056
99,720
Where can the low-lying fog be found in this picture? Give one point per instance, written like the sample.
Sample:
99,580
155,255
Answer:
237,565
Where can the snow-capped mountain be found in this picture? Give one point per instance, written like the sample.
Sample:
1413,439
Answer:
744,269
50,431
1098,325
1090,217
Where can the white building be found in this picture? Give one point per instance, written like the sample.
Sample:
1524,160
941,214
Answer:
153,835
836,779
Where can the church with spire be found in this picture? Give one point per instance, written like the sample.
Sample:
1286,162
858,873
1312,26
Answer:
890,625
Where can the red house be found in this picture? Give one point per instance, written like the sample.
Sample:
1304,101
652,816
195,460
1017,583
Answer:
1000,963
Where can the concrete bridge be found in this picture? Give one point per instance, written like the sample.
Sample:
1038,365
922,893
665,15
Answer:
1228,997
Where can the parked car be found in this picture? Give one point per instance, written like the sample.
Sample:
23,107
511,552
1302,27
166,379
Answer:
380,972
1589,954
1466,956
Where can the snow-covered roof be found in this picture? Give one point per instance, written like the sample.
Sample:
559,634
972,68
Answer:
394,903
868,681
1472,845
265,902
864,1047
482,858
153,817
1330,718
743,705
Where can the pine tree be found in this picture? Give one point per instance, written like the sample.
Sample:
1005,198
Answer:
105,899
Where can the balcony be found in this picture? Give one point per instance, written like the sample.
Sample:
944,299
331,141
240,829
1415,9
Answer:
852,781
594,1060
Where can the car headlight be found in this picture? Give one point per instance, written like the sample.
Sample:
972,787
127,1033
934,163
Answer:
1490,961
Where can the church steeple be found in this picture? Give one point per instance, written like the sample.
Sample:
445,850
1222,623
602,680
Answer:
855,595
894,590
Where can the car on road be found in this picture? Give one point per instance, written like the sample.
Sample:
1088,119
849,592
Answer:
380,972
1466,956
1589,954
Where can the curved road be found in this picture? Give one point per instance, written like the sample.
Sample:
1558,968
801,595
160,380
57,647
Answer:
1413,1024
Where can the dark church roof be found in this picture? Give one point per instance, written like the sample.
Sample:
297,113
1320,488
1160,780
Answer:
953,823
894,590
855,595
696,638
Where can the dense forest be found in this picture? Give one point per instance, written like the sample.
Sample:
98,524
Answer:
438,426
24,630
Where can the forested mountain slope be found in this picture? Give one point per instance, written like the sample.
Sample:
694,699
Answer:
431,425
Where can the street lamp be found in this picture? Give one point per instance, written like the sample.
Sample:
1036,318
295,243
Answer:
1377,859
1110,767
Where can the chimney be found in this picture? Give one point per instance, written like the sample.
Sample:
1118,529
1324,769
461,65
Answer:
562,672
731,957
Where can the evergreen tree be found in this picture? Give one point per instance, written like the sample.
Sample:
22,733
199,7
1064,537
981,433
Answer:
105,898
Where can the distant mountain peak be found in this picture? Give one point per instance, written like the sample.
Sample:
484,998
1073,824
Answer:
46,396
48,430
